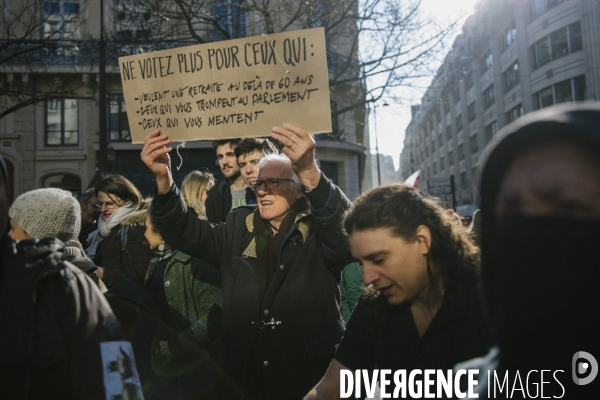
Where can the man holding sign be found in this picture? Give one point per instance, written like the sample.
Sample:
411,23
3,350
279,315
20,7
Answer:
280,264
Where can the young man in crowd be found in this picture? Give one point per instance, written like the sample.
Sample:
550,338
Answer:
89,215
248,153
280,265
231,191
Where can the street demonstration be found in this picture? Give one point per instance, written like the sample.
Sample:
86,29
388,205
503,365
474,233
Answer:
225,231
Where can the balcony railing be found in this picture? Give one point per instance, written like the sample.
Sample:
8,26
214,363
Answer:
75,52
85,52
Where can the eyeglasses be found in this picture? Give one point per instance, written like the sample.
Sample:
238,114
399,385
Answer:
108,204
94,205
270,183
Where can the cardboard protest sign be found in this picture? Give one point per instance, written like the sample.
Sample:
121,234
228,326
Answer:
235,88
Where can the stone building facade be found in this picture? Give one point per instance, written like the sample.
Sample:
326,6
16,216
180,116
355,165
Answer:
512,57
54,141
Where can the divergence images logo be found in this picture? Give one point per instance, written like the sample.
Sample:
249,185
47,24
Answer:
584,363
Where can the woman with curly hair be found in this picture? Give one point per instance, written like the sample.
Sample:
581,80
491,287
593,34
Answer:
420,309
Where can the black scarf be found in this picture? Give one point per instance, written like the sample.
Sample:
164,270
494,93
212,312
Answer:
268,243
542,279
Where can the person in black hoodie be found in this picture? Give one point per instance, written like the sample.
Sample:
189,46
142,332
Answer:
53,320
540,206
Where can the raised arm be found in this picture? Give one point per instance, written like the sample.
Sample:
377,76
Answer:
328,202
300,149
178,226
155,154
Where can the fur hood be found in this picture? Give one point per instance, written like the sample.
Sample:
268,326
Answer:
138,218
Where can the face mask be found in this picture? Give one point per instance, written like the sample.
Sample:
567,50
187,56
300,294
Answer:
542,278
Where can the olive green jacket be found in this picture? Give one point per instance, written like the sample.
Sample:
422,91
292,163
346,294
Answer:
192,288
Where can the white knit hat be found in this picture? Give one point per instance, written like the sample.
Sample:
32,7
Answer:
47,213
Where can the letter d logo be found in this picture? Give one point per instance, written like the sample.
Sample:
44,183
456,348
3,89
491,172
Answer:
582,367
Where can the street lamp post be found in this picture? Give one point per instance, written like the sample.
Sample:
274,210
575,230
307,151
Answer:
377,141
102,132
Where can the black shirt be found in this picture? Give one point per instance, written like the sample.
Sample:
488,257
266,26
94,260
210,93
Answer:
382,335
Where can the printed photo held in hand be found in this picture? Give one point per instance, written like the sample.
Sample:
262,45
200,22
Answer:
271,327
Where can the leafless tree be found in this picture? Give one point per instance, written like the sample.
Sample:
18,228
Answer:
36,40
373,45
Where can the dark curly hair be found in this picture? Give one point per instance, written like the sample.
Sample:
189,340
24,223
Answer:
453,256
249,145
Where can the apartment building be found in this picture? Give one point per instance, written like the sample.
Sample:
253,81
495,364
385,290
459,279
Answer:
50,88
512,57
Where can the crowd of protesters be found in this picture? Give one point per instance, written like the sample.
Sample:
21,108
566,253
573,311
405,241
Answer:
270,282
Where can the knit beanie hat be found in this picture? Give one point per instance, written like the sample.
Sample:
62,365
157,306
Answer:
47,213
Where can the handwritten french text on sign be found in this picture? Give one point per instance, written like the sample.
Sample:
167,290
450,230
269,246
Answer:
235,88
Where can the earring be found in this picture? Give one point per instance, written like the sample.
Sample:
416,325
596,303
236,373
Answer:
161,247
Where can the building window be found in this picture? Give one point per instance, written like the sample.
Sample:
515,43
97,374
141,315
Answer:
471,112
69,182
440,140
556,45
118,124
62,122
514,113
562,92
474,174
459,123
461,151
510,34
330,169
474,145
448,132
463,180
133,19
442,166
469,79
231,19
486,61
61,22
434,168
488,96
450,158
456,93
538,7
334,118
511,76
490,131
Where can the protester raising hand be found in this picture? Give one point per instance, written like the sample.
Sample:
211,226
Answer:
299,147
155,154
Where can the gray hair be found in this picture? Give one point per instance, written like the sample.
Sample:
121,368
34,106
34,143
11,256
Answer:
281,158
